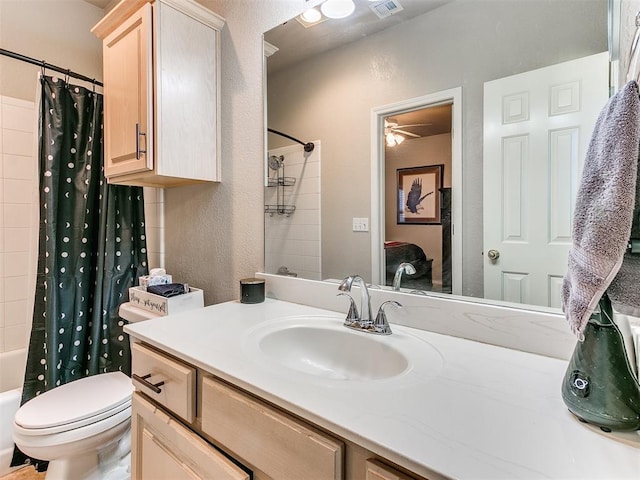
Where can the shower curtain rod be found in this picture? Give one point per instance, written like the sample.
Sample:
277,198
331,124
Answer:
308,147
49,66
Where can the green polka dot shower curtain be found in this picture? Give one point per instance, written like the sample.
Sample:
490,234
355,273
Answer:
92,246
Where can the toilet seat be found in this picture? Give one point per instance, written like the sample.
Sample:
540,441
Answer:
84,435
75,405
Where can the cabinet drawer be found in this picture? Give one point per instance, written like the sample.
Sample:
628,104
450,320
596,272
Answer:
177,393
379,471
279,445
164,449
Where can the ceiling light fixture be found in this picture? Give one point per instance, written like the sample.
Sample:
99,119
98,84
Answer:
312,15
337,8
393,139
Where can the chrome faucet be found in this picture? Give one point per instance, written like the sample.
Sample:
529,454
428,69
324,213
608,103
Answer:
365,321
402,268
365,301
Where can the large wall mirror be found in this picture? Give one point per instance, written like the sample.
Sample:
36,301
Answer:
491,104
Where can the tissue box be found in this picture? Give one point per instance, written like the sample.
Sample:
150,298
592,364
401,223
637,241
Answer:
151,280
165,306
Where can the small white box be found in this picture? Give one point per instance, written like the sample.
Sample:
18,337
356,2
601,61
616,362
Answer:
164,306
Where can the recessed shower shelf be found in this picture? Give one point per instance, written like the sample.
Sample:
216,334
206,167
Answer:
279,209
282,182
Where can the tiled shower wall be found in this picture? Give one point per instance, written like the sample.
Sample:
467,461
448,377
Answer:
18,221
18,228
293,241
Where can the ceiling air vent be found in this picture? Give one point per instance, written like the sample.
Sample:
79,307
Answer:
386,8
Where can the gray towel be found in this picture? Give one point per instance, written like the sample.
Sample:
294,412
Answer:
624,291
604,207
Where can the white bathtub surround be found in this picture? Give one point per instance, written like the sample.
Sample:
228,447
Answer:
18,220
12,366
9,404
488,413
294,241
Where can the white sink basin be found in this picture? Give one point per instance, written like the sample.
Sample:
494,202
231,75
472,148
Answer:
339,354
322,347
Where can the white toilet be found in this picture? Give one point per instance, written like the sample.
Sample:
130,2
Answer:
82,428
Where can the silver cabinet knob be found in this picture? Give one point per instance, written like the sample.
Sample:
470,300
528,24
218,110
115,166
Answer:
493,254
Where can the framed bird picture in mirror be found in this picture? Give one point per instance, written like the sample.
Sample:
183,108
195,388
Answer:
419,194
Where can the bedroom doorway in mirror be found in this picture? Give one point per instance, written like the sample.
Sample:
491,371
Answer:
417,166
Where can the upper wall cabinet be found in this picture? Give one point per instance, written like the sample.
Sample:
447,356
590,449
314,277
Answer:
161,93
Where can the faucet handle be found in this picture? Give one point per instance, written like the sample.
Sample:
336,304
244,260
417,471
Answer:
381,325
352,316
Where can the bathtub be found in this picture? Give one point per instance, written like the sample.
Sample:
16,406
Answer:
12,365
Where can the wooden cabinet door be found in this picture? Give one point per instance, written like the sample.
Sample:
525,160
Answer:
267,439
128,94
163,449
187,95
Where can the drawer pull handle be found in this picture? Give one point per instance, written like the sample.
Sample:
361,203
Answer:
143,380
138,149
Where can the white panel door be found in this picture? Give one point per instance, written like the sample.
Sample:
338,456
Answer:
537,127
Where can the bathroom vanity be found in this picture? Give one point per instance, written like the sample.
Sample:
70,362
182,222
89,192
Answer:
246,432
286,391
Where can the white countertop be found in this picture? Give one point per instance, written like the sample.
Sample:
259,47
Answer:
488,413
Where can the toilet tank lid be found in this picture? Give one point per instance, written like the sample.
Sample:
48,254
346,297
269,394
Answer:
76,401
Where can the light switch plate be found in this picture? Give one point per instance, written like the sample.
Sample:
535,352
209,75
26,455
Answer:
360,224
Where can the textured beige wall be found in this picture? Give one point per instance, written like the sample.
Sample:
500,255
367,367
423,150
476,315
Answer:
57,31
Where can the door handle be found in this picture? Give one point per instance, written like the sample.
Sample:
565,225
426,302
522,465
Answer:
493,255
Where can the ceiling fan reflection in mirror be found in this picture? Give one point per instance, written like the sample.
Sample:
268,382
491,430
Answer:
395,134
